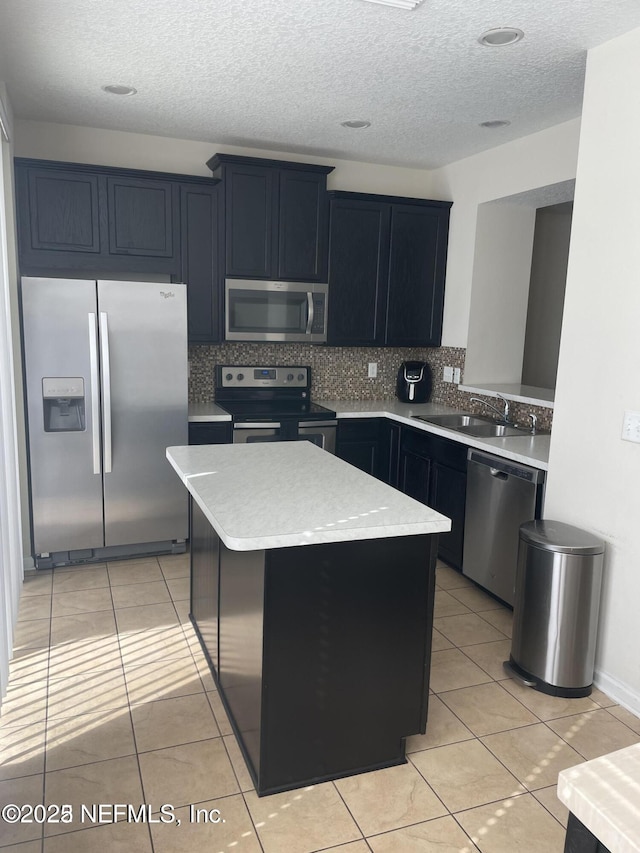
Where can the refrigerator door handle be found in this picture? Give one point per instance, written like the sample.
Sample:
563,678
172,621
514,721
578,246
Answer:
106,391
95,394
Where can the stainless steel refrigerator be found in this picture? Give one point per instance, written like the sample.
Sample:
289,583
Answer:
106,387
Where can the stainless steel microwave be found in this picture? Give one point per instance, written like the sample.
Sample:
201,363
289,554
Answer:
275,311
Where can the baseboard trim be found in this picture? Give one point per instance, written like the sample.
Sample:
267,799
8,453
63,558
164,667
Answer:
622,693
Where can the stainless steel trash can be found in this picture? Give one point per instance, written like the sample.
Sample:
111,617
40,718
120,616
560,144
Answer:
555,615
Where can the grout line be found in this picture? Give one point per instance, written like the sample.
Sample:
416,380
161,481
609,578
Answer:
126,689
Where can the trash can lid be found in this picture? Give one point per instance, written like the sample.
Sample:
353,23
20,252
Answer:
560,537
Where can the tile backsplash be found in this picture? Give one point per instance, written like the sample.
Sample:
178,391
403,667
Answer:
340,373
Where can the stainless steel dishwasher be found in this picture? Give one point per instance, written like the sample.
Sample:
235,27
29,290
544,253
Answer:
501,495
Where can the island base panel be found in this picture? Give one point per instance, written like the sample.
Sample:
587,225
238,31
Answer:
347,648
579,839
205,549
321,653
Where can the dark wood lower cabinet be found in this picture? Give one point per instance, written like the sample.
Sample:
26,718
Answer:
219,432
365,444
433,470
580,840
448,492
321,653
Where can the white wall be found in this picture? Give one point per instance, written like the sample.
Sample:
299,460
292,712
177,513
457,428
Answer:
498,309
539,160
594,477
69,143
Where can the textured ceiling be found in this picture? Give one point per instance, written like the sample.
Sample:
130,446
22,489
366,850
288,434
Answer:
283,74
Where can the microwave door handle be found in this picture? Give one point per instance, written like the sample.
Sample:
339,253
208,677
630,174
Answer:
309,313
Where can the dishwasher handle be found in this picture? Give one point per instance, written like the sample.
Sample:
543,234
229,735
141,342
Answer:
502,468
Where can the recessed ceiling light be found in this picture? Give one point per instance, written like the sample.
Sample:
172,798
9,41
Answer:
116,89
501,36
409,5
356,125
496,123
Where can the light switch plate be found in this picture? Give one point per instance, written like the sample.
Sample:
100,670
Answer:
447,374
373,370
631,427
456,375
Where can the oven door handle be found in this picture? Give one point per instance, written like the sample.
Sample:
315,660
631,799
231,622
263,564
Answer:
313,424
258,425
309,312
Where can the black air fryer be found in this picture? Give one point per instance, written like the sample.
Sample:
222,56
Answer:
414,382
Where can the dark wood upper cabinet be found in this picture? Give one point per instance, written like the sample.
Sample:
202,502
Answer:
200,231
76,217
142,217
387,259
417,259
250,215
303,225
95,220
276,218
358,273
58,213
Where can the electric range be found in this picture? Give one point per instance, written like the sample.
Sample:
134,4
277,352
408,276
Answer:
273,404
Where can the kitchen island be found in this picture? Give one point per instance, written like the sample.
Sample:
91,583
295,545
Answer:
312,589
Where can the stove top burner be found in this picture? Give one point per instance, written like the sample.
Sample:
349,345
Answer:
274,410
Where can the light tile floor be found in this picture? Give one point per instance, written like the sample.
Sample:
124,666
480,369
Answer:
111,701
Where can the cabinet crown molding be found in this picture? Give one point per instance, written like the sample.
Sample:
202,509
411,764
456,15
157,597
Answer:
219,160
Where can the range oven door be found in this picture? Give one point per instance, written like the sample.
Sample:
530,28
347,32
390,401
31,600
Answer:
247,433
321,433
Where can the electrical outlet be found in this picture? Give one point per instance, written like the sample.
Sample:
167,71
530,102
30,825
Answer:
373,370
456,375
631,426
447,374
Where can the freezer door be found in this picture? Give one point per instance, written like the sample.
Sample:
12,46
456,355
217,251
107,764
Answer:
61,371
143,345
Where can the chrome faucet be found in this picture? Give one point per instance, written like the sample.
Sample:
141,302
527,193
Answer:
504,414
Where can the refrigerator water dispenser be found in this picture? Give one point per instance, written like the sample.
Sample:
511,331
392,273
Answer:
63,404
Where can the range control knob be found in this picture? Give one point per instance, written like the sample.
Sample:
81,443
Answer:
240,377
301,377
289,377
228,376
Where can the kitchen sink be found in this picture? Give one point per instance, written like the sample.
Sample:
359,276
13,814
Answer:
478,426
492,430
454,421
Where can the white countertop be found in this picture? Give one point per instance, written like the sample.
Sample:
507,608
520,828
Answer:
530,394
207,413
604,794
530,450
287,493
